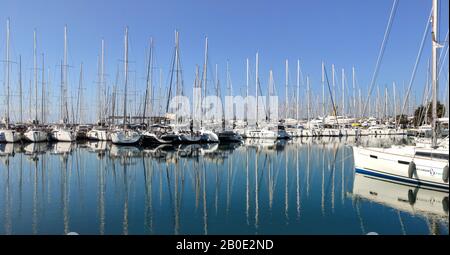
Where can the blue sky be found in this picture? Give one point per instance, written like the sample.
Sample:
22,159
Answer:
345,33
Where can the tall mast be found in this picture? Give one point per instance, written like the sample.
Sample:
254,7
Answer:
385,103
66,112
308,95
395,105
334,87
246,92
114,101
197,86
286,90
205,66
80,95
7,73
20,90
216,82
256,84
216,78
43,91
49,92
102,80
354,90
247,79
30,114
343,92
126,78
359,102
160,91
149,78
35,76
434,66
378,103
62,93
205,70
270,91
323,89
174,68
298,90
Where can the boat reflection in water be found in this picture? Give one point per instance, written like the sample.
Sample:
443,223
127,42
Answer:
299,186
429,204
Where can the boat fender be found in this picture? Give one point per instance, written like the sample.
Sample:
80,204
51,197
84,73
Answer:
445,174
411,169
445,204
412,197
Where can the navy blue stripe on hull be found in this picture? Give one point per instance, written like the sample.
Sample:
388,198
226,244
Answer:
402,179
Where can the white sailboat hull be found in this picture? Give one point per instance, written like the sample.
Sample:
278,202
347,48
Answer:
9,136
385,131
261,134
125,137
393,164
64,135
36,136
97,134
330,132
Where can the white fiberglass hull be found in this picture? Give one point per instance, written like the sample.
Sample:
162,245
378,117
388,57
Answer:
261,134
9,136
125,137
98,134
393,164
36,136
64,135
385,131
330,132
209,136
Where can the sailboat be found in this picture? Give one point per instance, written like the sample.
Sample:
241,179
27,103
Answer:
228,135
124,135
206,136
8,134
170,133
35,133
149,135
100,133
260,133
63,133
425,166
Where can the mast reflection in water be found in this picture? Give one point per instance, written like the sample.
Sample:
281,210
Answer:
305,186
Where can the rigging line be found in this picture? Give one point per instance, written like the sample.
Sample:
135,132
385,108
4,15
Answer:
413,75
169,93
443,46
381,53
331,94
442,62
427,102
264,105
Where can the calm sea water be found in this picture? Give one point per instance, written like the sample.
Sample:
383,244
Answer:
295,187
